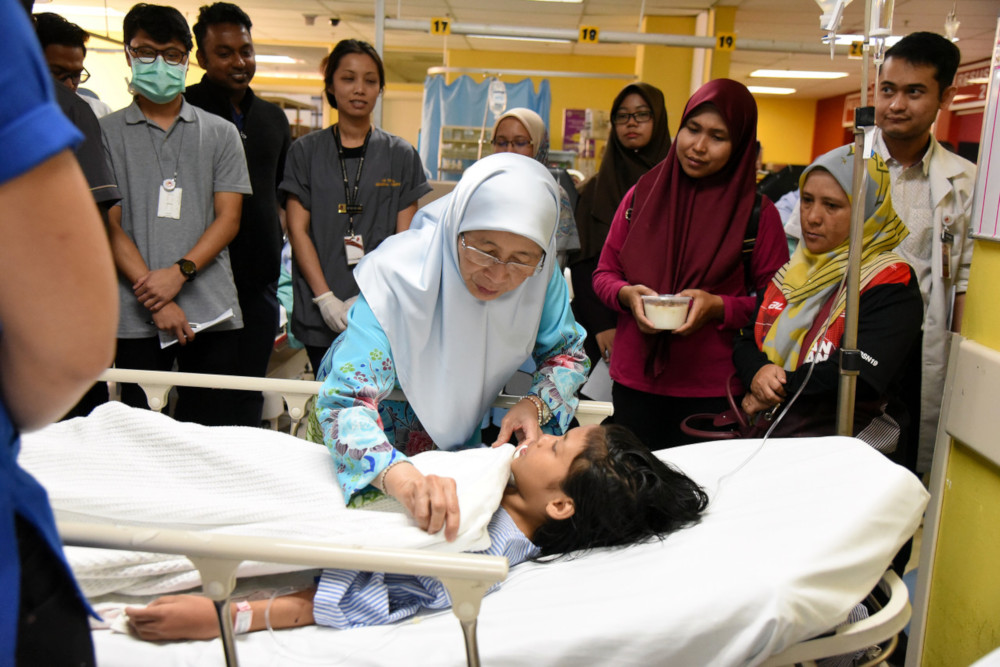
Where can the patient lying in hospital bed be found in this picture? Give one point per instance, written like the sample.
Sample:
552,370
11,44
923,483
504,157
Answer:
597,486
788,545
594,487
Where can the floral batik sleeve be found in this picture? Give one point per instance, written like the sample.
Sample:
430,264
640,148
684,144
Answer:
360,375
562,363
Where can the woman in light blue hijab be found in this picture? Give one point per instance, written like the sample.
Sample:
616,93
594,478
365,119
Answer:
448,312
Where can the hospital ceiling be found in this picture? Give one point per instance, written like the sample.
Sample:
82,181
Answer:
291,27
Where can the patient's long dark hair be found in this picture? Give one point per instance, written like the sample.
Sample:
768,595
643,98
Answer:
623,495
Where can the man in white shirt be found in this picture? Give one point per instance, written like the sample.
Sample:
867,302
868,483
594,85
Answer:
932,192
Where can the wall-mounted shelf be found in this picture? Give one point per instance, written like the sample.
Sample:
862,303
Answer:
459,147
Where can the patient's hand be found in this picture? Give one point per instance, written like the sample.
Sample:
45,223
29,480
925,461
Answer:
175,617
431,500
768,385
520,421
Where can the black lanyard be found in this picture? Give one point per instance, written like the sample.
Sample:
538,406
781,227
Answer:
351,207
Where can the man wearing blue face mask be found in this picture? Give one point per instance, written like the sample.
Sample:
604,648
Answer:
182,174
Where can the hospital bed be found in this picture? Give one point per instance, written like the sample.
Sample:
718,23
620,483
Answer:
790,543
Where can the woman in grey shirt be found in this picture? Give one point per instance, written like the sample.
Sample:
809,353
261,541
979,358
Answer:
347,189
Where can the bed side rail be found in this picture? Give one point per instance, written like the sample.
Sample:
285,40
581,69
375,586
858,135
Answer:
466,576
880,627
296,393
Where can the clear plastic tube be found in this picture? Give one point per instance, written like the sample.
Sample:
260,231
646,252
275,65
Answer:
788,405
878,54
284,649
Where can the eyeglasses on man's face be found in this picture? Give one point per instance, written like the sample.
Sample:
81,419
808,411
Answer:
644,116
64,76
519,142
147,55
488,261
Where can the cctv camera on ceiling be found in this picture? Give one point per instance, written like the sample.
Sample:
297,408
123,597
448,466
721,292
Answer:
334,21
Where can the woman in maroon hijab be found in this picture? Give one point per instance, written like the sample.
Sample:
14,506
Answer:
684,235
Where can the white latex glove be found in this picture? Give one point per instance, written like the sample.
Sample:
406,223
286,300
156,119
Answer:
341,316
330,307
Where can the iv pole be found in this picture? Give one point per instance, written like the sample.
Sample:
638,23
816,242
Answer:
850,356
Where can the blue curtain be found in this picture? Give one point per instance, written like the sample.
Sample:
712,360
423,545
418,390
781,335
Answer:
462,103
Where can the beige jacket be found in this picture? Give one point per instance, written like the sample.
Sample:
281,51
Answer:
952,181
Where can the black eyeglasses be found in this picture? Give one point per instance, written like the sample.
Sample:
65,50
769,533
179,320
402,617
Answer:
147,55
62,76
520,142
644,116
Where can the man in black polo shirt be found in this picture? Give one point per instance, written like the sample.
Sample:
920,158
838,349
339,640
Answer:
63,44
226,53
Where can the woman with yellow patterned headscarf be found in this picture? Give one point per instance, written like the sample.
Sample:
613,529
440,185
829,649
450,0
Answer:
800,320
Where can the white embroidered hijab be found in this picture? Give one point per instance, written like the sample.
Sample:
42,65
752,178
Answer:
453,352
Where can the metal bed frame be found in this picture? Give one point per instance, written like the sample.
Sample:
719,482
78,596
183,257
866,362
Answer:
467,577
882,627
295,393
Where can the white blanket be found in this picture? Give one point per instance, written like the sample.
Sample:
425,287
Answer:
124,465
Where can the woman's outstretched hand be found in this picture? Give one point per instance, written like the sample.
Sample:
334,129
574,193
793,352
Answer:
705,307
521,421
175,617
630,298
431,500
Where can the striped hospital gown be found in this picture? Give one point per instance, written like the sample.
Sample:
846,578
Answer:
352,599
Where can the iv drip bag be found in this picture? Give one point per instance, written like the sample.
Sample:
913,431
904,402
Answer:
881,18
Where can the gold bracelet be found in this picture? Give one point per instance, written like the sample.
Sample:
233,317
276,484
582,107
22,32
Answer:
544,414
380,480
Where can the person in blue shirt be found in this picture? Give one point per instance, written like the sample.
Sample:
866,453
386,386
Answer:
596,486
58,312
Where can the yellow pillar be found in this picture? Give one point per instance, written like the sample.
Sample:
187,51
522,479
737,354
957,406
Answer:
724,20
667,67
963,618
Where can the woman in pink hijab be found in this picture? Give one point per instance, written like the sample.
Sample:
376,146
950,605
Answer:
680,230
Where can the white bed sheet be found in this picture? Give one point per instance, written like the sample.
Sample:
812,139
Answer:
788,546
124,465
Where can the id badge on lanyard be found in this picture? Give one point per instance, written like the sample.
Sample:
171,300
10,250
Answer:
169,203
354,246
947,241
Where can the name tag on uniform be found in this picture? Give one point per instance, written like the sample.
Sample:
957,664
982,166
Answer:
355,248
947,241
169,205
